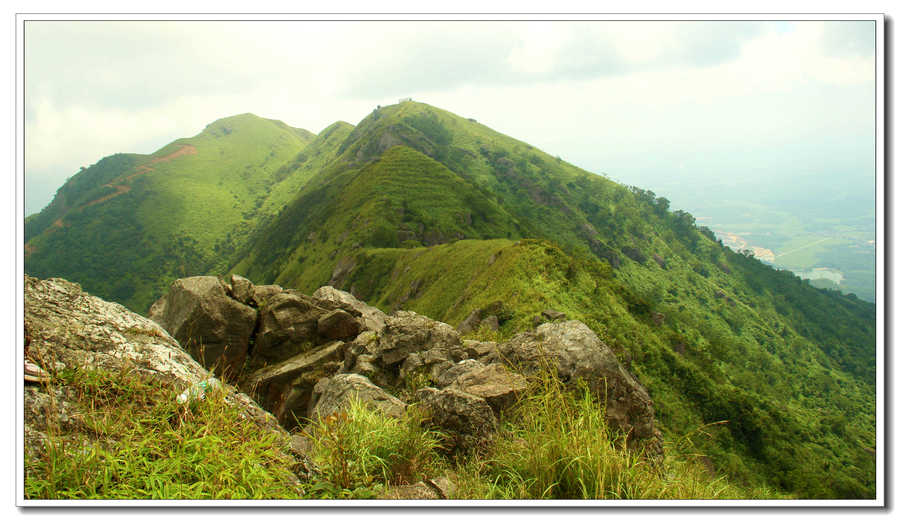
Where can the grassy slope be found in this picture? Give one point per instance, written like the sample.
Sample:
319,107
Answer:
404,198
792,414
735,341
134,441
183,216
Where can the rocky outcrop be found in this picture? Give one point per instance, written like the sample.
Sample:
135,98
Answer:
70,329
211,325
307,357
288,324
575,353
494,383
286,388
338,324
311,352
407,332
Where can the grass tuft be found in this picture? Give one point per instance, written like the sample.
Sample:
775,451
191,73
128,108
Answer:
362,447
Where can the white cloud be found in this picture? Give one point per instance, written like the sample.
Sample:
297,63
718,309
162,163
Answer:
621,97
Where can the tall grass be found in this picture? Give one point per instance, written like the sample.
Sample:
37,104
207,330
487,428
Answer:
361,447
557,445
133,441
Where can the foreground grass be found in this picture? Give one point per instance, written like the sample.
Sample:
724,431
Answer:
361,451
556,445
134,441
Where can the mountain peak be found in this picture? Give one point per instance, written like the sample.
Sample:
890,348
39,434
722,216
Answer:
250,121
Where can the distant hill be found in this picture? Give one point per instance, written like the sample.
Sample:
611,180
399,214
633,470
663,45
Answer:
417,208
129,224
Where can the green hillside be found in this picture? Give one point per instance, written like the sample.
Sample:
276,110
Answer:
127,226
792,416
717,336
416,208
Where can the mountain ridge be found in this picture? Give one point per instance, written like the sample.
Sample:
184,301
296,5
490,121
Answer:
418,209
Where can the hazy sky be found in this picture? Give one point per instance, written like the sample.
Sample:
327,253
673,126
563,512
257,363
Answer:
670,106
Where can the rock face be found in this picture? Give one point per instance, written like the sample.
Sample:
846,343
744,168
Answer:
576,353
494,383
338,324
213,327
72,329
407,332
288,323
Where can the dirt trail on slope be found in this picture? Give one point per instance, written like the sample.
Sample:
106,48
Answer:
120,186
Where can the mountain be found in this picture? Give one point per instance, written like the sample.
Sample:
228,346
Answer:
419,209
129,224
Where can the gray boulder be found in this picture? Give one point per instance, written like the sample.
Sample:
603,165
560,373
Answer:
467,419
448,375
478,349
372,318
360,357
242,289
334,394
576,353
494,383
214,328
261,293
407,332
338,324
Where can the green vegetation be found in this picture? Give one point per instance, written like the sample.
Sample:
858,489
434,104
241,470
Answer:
556,445
135,441
416,208
362,448
180,211
709,349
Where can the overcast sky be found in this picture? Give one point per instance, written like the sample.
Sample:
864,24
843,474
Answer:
669,106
